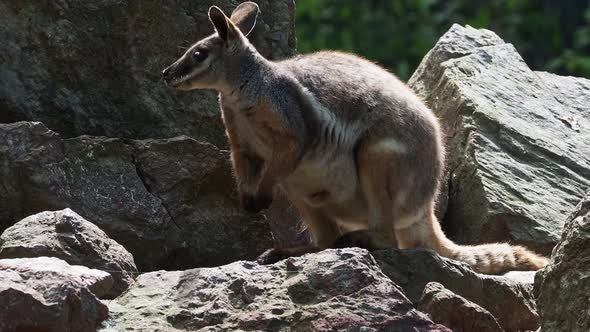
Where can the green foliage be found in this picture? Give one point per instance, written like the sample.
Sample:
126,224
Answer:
550,35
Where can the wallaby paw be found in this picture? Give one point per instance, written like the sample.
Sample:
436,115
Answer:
249,204
272,256
256,203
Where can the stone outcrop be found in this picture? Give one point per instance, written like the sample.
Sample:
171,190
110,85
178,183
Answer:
170,202
563,287
454,311
518,150
510,301
93,67
48,294
66,235
327,291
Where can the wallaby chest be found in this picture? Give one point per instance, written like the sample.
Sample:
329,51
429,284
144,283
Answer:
246,130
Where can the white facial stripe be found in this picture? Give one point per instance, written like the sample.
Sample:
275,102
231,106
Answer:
195,71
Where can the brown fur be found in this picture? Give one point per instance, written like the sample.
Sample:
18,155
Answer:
356,151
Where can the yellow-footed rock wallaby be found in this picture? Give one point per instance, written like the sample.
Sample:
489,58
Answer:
356,151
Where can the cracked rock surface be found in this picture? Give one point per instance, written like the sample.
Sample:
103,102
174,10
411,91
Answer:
518,141
510,300
332,290
93,67
169,202
563,287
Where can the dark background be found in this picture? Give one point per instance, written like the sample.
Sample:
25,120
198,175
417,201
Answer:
551,35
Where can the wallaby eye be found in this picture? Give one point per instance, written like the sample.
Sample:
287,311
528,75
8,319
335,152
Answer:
200,55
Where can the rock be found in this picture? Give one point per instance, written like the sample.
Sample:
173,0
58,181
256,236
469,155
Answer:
522,277
509,301
517,140
327,291
455,312
94,67
66,235
563,287
47,294
170,202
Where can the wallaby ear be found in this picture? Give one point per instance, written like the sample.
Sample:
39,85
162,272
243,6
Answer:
244,16
220,21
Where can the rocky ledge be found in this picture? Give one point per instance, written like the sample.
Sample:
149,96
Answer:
331,290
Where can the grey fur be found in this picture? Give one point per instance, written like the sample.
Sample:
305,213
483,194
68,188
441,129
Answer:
352,146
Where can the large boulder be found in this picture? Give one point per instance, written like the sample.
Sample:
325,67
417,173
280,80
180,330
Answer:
563,287
327,291
170,202
66,235
48,294
93,67
518,154
509,300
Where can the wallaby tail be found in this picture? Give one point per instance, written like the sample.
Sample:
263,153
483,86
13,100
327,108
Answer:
496,258
492,258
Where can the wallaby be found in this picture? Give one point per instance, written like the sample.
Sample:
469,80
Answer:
355,150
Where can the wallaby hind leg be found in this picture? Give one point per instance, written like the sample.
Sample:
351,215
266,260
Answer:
322,229
377,167
425,232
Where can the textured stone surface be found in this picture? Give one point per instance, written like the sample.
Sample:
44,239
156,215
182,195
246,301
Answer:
169,202
509,301
522,277
455,312
93,67
48,294
563,287
66,235
327,291
518,141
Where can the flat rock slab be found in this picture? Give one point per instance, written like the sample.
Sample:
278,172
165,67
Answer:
169,202
327,291
563,287
518,141
66,235
510,301
48,294
93,67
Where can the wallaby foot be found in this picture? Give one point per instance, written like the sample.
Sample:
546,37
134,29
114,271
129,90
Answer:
361,239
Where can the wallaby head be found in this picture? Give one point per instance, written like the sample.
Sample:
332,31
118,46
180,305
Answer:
205,64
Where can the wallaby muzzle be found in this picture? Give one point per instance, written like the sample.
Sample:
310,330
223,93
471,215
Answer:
176,73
